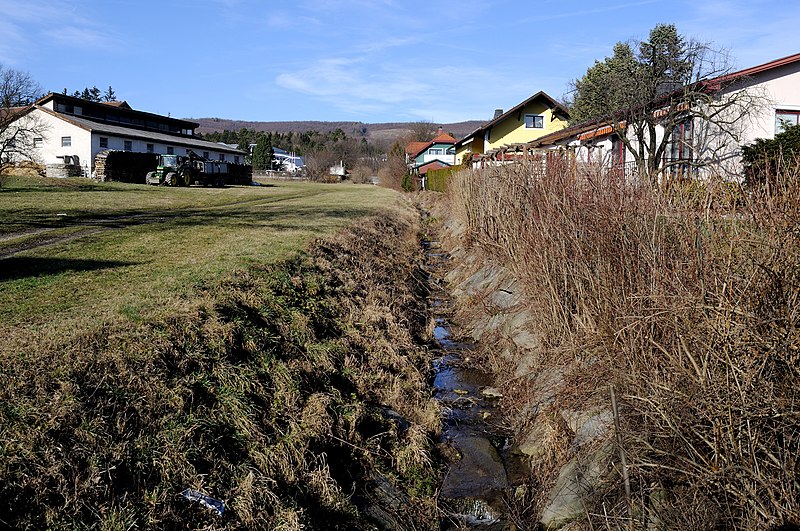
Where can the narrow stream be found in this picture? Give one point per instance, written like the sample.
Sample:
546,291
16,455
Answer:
481,476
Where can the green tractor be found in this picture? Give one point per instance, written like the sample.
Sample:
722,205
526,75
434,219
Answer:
179,170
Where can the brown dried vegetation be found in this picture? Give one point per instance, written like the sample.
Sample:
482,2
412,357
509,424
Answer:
686,302
277,390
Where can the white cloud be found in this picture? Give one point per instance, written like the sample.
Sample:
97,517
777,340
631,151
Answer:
441,93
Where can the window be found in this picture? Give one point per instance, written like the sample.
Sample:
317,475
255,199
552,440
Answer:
236,159
222,156
37,141
205,155
170,150
534,121
435,151
150,148
785,118
128,145
66,141
103,141
679,152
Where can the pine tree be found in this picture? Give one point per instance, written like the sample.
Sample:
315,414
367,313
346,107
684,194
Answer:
110,95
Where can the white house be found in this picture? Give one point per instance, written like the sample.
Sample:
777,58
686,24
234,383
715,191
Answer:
774,100
74,131
437,153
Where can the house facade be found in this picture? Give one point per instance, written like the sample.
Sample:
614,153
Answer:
421,156
74,131
763,99
535,117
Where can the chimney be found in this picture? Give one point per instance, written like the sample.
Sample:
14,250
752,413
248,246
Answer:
497,114
440,131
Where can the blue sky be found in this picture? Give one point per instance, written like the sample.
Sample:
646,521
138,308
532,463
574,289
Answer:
357,60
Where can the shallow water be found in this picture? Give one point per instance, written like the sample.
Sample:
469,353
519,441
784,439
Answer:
476,484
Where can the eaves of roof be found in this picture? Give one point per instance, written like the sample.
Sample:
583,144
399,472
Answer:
574,130
541,94
97,127
126,108
753,70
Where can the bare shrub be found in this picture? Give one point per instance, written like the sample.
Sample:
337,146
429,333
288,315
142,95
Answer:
688,304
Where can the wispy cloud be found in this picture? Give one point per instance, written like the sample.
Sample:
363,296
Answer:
52,21
441,93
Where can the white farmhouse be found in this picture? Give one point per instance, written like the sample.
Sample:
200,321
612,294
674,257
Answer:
75,130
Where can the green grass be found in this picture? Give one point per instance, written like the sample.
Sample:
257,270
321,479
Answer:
206,350
133,250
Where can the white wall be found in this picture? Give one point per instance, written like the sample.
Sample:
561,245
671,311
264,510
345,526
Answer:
51,152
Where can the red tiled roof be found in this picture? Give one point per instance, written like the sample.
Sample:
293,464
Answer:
600,131
444,138
415,147
433,165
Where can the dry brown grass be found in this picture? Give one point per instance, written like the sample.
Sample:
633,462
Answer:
687,301
267,389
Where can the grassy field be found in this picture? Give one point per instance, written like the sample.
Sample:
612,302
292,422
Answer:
77,254
263,345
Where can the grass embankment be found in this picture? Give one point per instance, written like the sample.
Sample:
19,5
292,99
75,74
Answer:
688,304
199,350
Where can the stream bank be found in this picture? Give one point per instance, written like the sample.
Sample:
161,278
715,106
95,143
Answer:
554,453
483,470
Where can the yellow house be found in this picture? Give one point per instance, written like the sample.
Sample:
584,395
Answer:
535,117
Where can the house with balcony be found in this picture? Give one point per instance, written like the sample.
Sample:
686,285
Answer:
74,131
535,117
435,154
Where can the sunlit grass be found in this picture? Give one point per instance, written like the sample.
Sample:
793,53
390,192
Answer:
135,250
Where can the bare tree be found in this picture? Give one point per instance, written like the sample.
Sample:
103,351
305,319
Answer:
18,127
319,163
671,101
422,131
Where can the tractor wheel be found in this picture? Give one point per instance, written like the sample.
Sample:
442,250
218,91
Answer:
149,178
171,179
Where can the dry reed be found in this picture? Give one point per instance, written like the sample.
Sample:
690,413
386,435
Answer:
686,301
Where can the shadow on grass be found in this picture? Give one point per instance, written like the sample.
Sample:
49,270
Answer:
271,214
16,267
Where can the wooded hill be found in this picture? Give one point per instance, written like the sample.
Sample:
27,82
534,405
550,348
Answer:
373,132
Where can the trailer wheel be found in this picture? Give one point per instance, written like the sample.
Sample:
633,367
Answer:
187,178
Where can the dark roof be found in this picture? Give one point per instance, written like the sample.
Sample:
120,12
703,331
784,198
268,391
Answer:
164,138
123,107
541,94
120,104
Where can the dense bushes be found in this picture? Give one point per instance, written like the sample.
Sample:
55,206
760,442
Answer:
437,179
766,161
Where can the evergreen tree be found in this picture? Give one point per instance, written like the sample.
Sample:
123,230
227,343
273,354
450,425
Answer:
263,153
109,95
